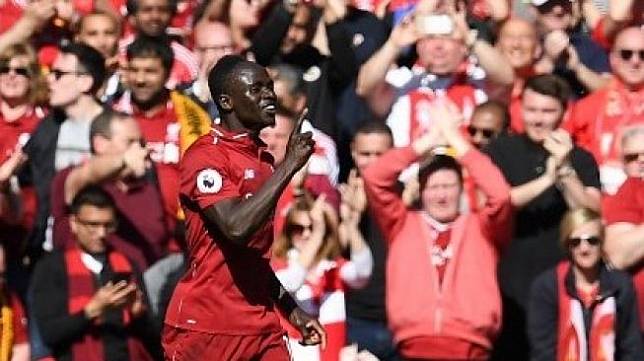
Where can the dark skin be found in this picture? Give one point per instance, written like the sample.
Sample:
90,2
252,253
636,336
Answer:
249,107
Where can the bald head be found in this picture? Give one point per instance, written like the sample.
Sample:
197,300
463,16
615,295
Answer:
213,40
626,57
518,42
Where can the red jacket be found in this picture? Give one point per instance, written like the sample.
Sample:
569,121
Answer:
467,305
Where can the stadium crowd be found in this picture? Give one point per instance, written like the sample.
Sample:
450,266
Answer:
476,190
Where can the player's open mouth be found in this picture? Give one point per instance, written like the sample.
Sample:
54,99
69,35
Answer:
270,108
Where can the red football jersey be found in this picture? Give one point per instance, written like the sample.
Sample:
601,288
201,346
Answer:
161,134
226,288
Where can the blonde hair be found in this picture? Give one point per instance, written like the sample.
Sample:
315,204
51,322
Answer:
330,248
38,91
573,219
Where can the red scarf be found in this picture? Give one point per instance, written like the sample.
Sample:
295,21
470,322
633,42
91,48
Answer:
572,344
81,289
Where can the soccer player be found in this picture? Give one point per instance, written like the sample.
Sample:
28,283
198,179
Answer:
225,306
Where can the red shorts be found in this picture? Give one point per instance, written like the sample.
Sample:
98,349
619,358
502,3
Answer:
186,345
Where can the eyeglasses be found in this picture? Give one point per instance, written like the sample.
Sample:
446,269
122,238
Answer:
297,229
487,133
627,54
631,157
574,242
92,225
57,73
18,71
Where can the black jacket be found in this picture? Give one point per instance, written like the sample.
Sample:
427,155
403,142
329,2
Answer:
40,170
59,329
544,310
325,77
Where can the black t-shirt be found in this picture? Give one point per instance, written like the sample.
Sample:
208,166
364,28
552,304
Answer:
535,243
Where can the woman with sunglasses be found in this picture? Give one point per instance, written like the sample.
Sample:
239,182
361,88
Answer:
581,309
22,92
308,263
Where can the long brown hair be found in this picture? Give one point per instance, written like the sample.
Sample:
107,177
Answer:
330,248
38,92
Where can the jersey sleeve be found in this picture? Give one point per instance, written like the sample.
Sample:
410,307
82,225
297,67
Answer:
206,176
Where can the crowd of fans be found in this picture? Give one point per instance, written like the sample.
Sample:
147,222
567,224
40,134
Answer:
476,191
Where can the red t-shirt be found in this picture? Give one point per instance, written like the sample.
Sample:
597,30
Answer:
161,134
17,131
597,121
12,134
627,205
226,288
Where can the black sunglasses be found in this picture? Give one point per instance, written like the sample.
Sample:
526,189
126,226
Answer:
19,71
627,54
298,228
487,133
57,73
576,241
631,157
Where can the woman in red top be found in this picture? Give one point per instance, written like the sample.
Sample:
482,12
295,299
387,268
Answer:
307,262
581,310
22,90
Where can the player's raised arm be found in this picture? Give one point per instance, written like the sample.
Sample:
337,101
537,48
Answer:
238,218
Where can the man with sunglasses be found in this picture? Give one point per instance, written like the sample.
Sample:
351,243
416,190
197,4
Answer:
489,120
597,121
569,52
62,138
87,299
624,214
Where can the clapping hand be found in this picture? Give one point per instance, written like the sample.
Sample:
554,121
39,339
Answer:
559,144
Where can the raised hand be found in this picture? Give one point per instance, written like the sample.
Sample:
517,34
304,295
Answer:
300,145
405,33
316,213
109,296
559,144
135,159
555,43
11,165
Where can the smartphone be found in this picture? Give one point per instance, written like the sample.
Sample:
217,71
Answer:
121,276
441,24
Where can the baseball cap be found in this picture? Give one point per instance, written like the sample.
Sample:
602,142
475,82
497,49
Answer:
543,2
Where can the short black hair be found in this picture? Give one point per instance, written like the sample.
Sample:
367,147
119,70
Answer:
292,76
92,195
90,60
374,127
436,163
149,47
221,75
132,6
552,86
496,106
